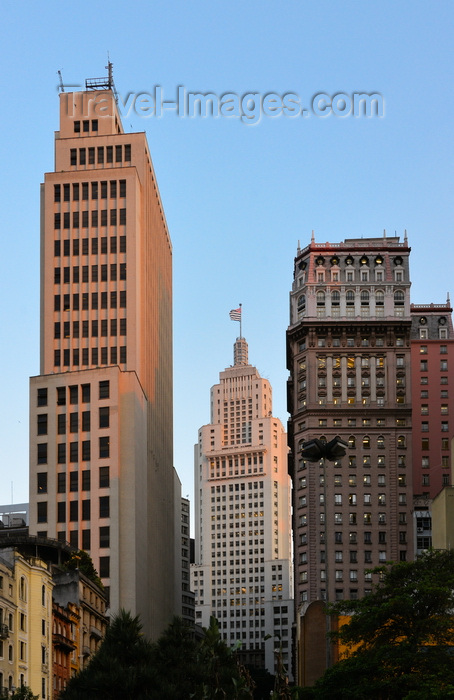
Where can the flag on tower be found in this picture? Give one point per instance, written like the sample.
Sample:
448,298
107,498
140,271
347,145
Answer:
235,314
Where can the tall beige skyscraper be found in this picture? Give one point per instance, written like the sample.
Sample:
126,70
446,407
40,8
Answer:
242,572
101,465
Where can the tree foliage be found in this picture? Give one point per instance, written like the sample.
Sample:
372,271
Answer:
129,667
400,637
82,560
22,693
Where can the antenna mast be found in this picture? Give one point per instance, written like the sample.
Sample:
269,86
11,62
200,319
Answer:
61,87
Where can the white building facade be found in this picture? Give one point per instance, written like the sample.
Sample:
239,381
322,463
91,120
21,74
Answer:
243,569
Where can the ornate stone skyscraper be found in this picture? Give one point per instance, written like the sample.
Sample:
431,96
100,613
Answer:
101,465
349,362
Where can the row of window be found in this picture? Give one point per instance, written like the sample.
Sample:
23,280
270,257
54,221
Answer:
81,247
424,365
75,480
76,508
83,190
444,445
75,422
353,536
63,330
74,392
110,272
104,217
100,154
103,300
352,480
73,451
99,356
353,518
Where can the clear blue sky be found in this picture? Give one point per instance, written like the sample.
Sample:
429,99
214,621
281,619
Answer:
237,197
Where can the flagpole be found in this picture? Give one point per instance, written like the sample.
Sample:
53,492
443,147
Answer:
241,321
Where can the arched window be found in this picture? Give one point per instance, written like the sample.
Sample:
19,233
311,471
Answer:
401,441
364,298
366,442
380,442
350,298
399,298
335,298
22,589
43,596
320,298
379,298
352,442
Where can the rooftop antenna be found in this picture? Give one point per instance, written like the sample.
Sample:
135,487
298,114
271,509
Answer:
61,87
103,83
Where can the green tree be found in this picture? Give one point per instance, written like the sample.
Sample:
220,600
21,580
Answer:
82,560
400,637
22,693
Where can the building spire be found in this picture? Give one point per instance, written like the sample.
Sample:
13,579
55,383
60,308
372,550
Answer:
240,352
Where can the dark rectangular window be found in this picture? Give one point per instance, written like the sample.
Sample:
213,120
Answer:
73,481
42,512
94,356
67,247
104,567
86,510
86,448
57,358
85,273
61,396
57,193
66,298
85,393
103,300
66,275
103,217
104,356
61,512
104,329
104,189
113,189
100,155
118,154
66,329
66,193
75,219
94,300
122,326
85,421
61,536
82,156
75,329
73,156
94,329
104,477
104,244
74,538
57,330
66,358
61,423
128,152
86,544
113,272
103,273
109,154
73,394
76,357
85,329
76,191
57,302
104,417
73,422
91,156
75,302
85,356
122,188
66,219
86,480
104,507
41,398
113,356
113,300
61,453
57,249
113,217
94,190
57,275
61,482
104,389
73,452
113,244
74,511
113,326
123,299
104,537
41,428
122,244
94,246
84,225
85,191
42,453
76,274
94,217
85,301
77,127
123,354
86,126
41,482
123,217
